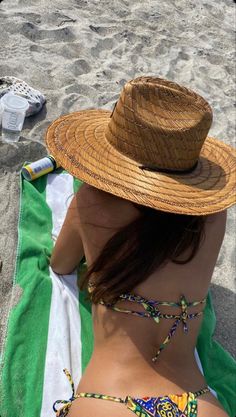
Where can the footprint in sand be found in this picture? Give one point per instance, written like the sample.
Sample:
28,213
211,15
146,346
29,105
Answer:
75,102
32,17
102,45
82,89
79,67
36,48
33,33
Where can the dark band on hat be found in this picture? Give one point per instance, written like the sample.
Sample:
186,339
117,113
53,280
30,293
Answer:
167,170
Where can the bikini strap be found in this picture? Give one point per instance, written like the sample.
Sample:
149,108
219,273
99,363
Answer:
151,308
182,317
120,400
201,392
64,410
192,406
100,397
152,311
173,330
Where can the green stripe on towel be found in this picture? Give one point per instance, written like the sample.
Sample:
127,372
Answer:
24,356
218,365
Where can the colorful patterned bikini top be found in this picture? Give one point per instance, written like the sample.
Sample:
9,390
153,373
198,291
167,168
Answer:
184,405
152,310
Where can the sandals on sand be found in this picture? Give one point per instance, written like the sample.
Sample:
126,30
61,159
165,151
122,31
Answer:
35,99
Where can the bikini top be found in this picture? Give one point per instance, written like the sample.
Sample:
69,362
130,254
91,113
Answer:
152,310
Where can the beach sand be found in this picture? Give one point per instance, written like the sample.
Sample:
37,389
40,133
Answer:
80,53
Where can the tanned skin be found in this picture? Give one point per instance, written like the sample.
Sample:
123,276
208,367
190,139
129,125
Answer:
124,345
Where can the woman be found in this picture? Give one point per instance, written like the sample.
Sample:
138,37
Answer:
150,220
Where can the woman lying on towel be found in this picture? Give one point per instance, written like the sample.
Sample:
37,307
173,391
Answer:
150,220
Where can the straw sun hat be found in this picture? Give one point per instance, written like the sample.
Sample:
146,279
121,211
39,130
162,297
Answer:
153,149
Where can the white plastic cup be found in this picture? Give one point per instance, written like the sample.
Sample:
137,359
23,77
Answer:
13,116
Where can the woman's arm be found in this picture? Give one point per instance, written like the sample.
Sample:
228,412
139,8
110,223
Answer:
68,250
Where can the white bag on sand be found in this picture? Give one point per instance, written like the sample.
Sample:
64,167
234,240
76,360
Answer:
19,87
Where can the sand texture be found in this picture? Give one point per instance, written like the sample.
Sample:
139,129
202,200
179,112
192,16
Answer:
79,53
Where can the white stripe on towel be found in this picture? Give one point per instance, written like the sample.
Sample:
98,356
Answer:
64,333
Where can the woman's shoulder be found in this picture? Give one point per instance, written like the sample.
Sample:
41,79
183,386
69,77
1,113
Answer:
221,216
104,208
214,233
217,221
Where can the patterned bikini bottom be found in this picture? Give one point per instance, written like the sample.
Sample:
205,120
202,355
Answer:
184,405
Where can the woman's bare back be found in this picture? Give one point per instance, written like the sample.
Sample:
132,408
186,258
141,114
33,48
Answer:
121,362
102,214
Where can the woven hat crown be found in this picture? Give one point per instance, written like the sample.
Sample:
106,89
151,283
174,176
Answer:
159,124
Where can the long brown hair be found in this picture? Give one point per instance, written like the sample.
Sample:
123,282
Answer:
139,248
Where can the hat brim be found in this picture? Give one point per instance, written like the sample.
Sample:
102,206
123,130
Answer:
78,143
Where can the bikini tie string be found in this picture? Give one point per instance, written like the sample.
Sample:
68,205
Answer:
67,403
183,317
184,314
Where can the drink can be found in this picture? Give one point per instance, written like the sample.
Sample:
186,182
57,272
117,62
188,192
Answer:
38,168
